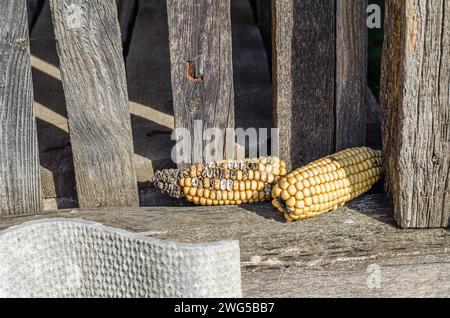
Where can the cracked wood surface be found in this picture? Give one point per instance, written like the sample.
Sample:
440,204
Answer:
202,72
356,251
415,97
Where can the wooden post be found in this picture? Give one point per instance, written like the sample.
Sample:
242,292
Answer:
303,78
416,110
93,76
319,75
351,73
201,67
20,187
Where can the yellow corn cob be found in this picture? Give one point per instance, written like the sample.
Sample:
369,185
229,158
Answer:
327,183
226,182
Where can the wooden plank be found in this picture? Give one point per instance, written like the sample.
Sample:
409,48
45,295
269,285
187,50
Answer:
356,251
415,99
93,76
20,188
351,73
55,152
304,78
201,67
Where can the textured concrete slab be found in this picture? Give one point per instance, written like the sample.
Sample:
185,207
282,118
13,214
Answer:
76,258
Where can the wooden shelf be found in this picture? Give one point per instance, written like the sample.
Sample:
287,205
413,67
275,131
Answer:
338,254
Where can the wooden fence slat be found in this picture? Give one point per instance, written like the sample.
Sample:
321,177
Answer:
201,64
304,78
415,99
264,21
20,188
93,76
351,73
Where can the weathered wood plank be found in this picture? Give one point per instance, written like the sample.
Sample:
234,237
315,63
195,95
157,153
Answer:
351,73
304,78
201,68
356,251
55,152
20,188
415,98
93,76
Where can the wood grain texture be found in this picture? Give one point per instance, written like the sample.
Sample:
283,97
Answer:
356,251
304,78
351,73
20,188
415,99
93,76
55,152
200,34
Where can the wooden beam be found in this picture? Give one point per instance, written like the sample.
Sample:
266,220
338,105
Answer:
20,187
304,78
201,67
356,251
93,76
351,73
415,99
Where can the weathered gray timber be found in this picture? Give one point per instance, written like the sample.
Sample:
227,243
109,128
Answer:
93,76
201,68
319,75
415,98
351,73
304,78
356,251
75,258
20,188
55,152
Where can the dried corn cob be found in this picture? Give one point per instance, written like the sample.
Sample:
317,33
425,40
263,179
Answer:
327,183
226,182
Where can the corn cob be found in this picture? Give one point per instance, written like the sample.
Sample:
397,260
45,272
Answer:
327,183
226,182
